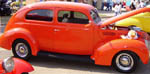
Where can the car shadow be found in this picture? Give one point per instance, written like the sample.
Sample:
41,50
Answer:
49,62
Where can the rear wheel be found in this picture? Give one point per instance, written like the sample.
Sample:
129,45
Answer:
125,62
21,49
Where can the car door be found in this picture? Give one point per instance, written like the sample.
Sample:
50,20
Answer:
39,22
73,34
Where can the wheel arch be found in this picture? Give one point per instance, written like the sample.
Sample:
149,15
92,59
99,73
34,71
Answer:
121,68
22,34
33,46
104,55
125,51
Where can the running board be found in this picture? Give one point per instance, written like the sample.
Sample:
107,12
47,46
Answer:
80,58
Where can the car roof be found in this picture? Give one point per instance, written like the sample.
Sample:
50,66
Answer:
60,4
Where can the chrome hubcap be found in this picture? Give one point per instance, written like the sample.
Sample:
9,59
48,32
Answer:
21,50
124,61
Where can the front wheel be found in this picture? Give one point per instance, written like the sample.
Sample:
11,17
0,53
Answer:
21,49
125,62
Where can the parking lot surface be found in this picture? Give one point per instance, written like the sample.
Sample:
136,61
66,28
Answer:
47,65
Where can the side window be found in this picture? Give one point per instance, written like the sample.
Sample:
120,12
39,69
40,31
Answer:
62,15
72,17
40,15
80,15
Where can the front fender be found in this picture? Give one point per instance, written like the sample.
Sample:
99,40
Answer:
7,39
105,54
21,66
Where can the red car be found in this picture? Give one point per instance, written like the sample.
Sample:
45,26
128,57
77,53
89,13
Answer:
14,66
73,31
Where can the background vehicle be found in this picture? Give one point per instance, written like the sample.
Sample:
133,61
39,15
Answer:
12,65
74,31
139,18
16,5
4,8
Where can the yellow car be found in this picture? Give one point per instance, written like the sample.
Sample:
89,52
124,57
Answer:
139,18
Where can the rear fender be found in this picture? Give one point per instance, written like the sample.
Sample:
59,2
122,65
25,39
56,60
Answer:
105,54
7,39
21,66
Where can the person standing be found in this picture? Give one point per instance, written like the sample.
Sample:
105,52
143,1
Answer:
120,7
75,0
21,3
138,6
111,5
102,6
85,1
133,6
116,9
107,5
142,4
95,3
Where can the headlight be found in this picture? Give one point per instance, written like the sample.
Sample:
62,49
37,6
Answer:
8,64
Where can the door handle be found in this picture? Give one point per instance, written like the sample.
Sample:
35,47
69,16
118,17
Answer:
56,30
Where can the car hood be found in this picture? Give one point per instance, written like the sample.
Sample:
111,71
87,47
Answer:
123,16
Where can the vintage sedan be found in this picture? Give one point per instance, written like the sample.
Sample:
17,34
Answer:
74,31
12,65
139,18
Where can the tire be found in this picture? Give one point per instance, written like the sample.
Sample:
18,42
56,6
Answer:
21,49
25,73
125,62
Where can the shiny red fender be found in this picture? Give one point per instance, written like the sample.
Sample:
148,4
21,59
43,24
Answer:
10,36
21,66
105,54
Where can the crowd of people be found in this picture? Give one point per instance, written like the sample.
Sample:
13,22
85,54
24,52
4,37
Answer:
117,5
137,4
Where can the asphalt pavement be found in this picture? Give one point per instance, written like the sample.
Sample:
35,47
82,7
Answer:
47,65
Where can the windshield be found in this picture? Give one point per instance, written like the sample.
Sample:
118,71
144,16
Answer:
95,16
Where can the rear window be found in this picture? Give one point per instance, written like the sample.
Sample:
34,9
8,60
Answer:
40,15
